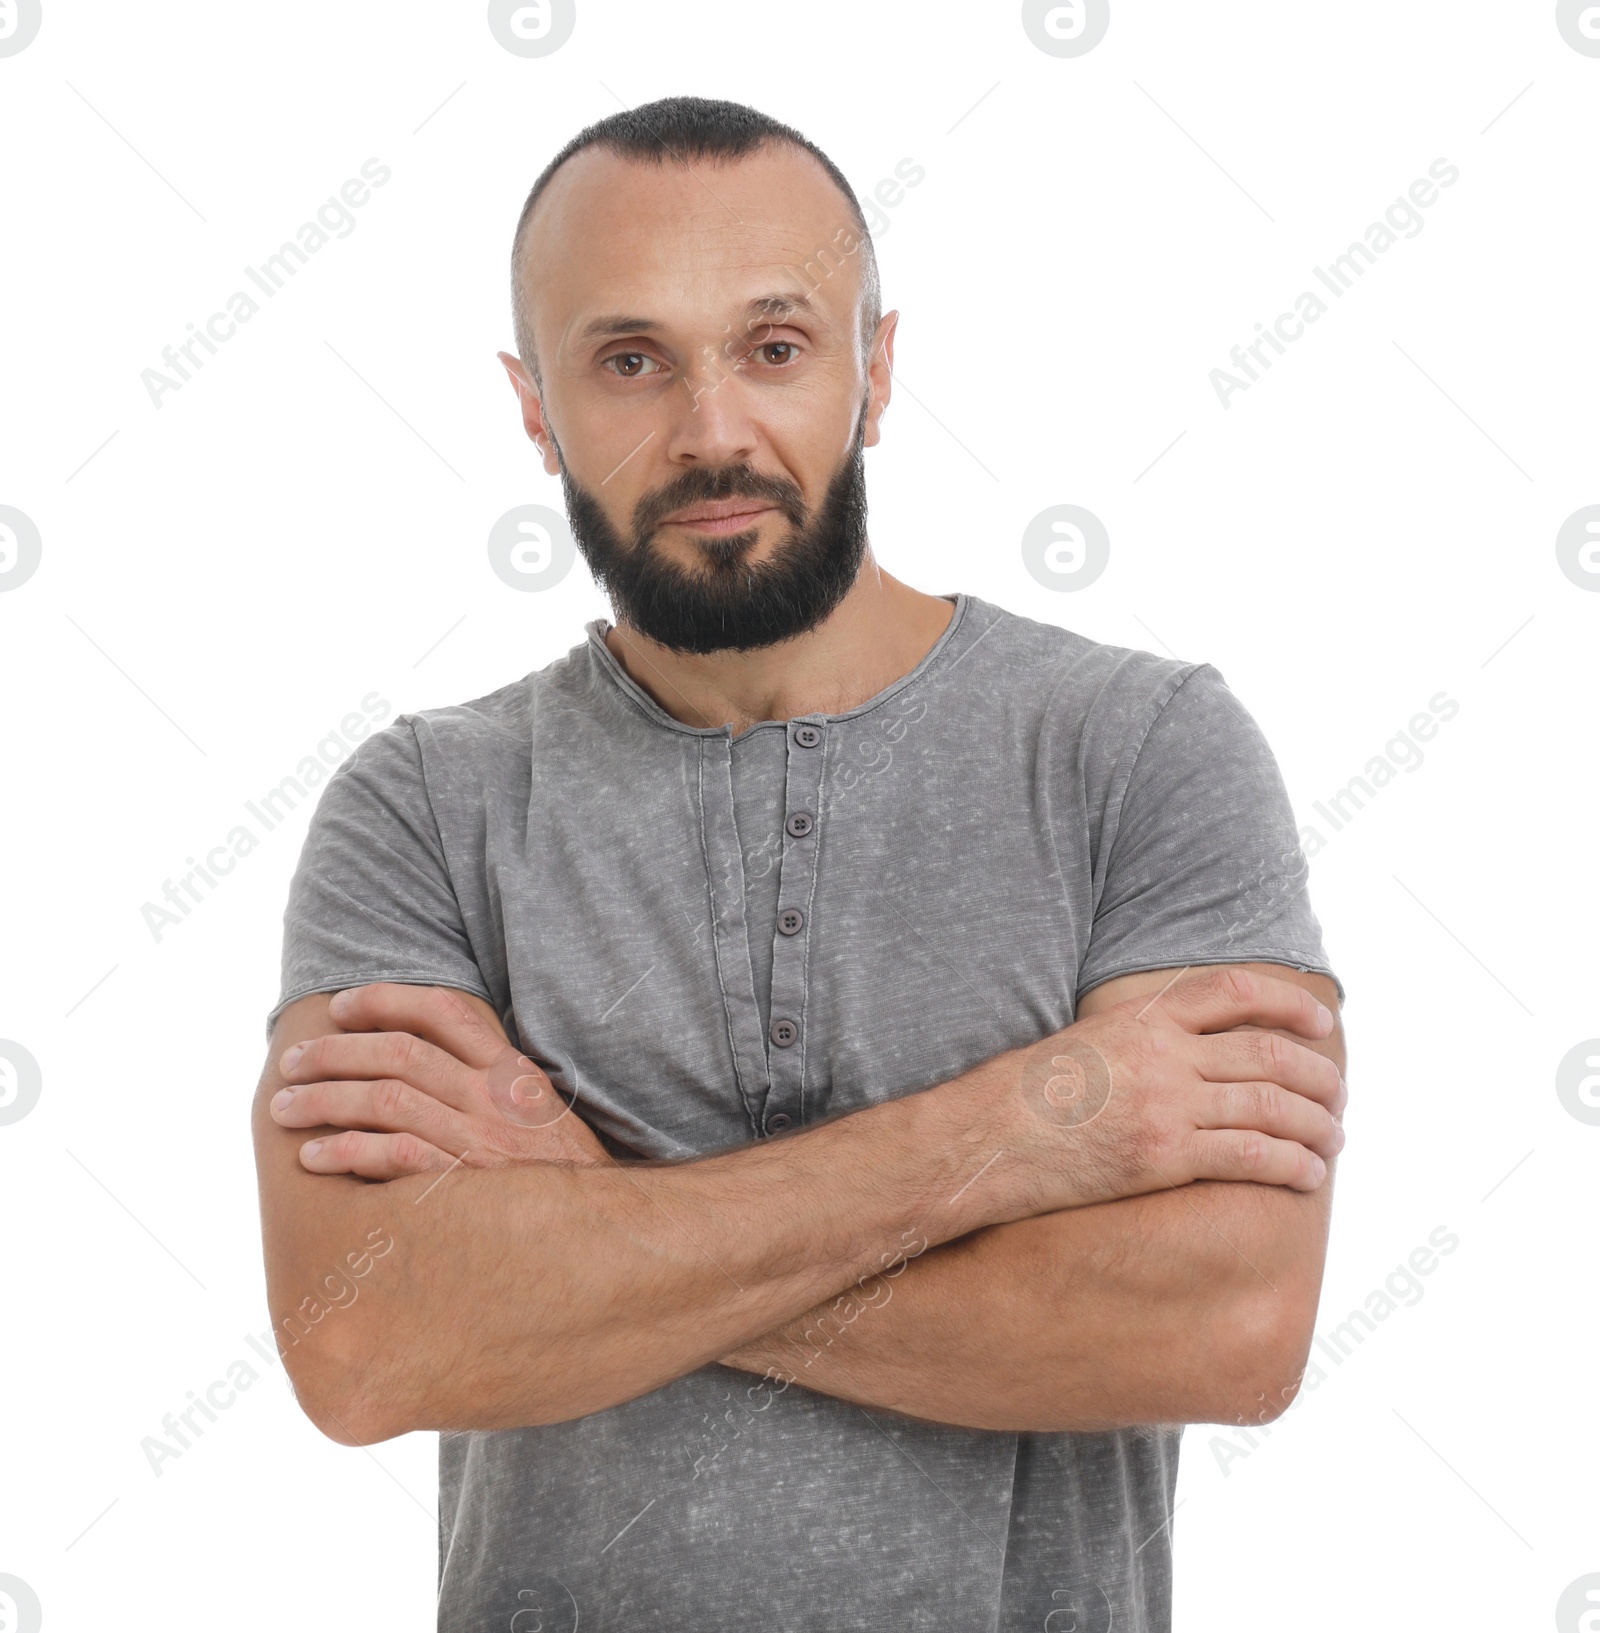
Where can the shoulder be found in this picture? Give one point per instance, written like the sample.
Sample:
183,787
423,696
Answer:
1094,694
461,749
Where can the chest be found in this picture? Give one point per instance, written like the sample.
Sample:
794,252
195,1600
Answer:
732,937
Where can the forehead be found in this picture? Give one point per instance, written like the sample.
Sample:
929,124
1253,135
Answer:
679,244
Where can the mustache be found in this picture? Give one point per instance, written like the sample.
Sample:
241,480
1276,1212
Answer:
731,482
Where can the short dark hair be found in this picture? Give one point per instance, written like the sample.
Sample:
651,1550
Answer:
683,129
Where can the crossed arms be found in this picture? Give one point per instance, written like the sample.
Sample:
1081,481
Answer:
1123,1224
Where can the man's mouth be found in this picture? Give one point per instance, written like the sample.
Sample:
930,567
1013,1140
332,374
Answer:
719,516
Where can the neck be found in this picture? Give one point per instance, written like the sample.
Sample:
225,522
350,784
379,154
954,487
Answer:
880,631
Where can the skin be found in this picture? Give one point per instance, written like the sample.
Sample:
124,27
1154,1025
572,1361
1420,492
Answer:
968,1253
542,1282
690,250
1134,1310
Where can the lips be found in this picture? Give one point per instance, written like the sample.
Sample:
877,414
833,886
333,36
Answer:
717,511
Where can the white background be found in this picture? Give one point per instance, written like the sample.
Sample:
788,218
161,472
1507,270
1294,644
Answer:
304,522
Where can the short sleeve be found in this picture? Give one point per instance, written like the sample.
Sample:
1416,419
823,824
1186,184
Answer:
1202,864
371,898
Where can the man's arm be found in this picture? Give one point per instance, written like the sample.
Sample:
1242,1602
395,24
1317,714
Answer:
1192,1305
530,1294
536,1292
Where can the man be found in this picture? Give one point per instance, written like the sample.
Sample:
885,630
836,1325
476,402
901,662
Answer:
825,1079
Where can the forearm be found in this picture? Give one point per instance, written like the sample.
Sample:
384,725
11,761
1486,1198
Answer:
1184,1306
525,1295
519,1291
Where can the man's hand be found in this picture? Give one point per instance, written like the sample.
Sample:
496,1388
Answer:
655,1271
1156,1092
1191,1305
1143,1096
423,1078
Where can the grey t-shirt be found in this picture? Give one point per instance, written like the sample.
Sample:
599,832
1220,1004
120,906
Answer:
1024,815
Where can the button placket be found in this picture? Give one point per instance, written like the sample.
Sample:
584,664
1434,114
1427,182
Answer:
806,745
719,835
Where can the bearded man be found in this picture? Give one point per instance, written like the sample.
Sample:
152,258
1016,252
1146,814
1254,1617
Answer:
847,1073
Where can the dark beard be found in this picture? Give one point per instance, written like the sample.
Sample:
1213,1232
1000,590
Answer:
729,604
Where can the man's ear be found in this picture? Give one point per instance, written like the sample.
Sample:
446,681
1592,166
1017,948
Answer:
533,421
880,377
514,371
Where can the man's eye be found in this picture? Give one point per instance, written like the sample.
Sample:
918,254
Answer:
633,362
777,346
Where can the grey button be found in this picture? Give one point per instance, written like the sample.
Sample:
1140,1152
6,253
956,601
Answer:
778,1121
783,1033
807,736
791,921
799,824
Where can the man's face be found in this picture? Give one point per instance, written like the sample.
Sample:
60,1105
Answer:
704,397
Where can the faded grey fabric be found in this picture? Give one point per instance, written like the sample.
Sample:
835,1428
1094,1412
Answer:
1026,814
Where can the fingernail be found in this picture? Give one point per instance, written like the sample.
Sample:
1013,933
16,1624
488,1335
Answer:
283,1099
291,1057
1338,1137
338,1004
1324,1014
310,1148
1319,1169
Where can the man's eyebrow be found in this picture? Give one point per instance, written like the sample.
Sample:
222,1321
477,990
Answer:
603,328
772,308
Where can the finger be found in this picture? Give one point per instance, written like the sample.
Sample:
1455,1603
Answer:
398,1055
1212,1000
384,1106
1270,1109
460,1023
373,1156
1234,1154
1243,1057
